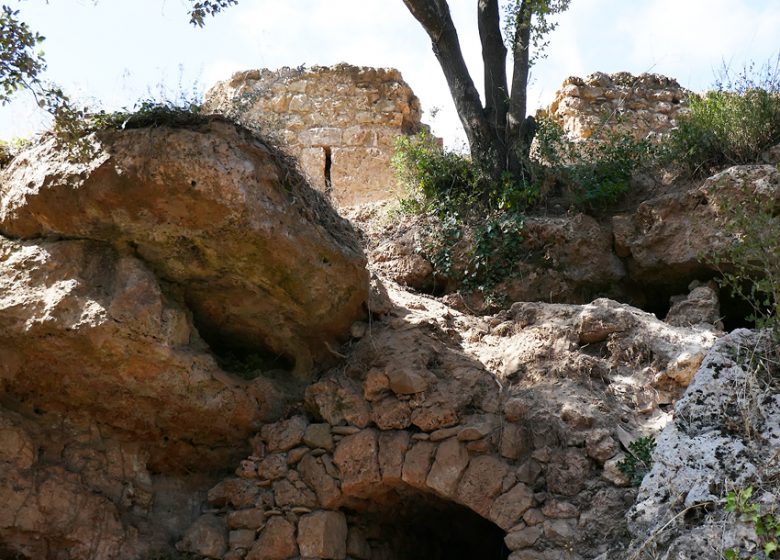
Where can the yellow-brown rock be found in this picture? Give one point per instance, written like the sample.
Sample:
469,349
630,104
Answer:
262,261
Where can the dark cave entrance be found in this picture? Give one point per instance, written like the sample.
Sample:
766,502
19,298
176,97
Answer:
246,359
735,311
408,525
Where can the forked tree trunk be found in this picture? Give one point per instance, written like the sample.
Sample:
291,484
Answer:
434,16
497,133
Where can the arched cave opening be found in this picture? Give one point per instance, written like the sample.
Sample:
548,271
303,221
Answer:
243,358
735,311
405,524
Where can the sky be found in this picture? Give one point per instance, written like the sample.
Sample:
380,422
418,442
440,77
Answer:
111,53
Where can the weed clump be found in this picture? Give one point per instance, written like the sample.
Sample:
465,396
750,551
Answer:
731,125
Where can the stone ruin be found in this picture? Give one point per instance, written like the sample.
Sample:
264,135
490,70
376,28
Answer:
339,121
641,105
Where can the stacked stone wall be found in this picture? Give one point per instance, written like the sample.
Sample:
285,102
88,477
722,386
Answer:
340,122
594,107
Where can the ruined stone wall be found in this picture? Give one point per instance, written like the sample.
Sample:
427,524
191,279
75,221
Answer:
339,121
601,103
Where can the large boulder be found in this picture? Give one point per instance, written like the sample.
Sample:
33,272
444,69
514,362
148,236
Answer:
264,264
83,328
724,438
668,240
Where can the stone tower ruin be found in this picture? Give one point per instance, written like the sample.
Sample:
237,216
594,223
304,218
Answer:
600,104
339,121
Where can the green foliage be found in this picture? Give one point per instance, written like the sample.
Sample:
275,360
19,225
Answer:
729,126
8,150
431,175
541,24
597,172
73,124
472,227
476,252
766,525
148,113
639,460
200,10
750,264
20,63
440,181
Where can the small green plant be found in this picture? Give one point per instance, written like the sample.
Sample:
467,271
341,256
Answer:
9,149
766,525
596,172
731,125
639,460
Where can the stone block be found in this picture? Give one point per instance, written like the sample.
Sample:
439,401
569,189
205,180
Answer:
451,460
417,464
323,534
326,488
508,509
392,451
323,136
522,537
481,483
356,458
318,435
206,537
391,414
284,435
276,542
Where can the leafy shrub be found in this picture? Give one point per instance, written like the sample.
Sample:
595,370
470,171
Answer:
639,460
440,180
472,226
766,525
148,113
431,175
73,124
750,264
731,125
596,172
477,252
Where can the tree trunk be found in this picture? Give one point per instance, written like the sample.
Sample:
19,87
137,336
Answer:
494,62
517,141
434,16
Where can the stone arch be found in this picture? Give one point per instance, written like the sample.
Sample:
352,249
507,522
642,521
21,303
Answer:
346,492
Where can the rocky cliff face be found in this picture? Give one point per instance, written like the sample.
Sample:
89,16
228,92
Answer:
439,420
158,303
195,362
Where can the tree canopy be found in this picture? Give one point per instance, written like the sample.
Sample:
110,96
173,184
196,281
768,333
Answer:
498,131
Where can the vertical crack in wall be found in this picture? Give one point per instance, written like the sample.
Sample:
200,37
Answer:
328,165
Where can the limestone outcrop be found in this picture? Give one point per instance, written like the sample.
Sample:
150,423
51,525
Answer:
339,121
263,263
724,438
673,236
